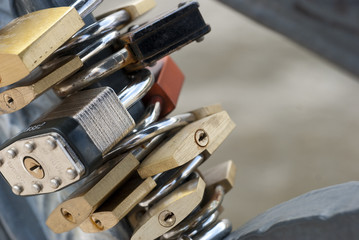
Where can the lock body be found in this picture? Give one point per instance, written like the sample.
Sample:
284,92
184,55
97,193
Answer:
79,131
28,40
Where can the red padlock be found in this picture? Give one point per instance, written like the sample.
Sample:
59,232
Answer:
168,85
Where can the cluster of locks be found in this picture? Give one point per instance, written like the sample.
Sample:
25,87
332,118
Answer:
106,161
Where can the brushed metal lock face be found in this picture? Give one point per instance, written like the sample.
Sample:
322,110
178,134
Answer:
29,172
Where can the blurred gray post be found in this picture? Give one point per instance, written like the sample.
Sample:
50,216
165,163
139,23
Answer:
327,27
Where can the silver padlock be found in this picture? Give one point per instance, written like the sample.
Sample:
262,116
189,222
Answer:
70,141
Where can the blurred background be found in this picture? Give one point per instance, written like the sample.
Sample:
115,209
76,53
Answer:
296,114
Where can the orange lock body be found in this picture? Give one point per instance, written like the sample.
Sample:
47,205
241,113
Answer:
168,85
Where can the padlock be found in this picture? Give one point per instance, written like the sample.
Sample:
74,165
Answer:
18,97
28,40
164,125
201,137
54,72
73,211
144,45
168,85
118,205
70,141
163,96
85,200
221,180
125,199
170,211
116,19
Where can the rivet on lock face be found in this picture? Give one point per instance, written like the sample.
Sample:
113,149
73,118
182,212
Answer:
167,218
34,168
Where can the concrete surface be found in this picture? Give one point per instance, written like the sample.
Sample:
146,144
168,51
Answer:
296,115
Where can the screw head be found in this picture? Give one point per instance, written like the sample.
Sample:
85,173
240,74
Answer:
37,187
51,143
34,168
201,138
11,153
29,147
17,189
71,173
55,183
167,218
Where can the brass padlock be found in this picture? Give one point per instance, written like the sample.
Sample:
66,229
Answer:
219,180
72,212
27,41
202,136
170,211
118,205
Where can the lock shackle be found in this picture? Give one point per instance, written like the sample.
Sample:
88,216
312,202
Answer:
94,48
142,151
155,104
211,206
85,7
96,30
85,54
172,183
153,130
151,115
93,74
142,82
219,231
206,225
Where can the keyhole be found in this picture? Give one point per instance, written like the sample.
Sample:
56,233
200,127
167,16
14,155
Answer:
201,138
97,223
67,215
167,218
10,102
34,168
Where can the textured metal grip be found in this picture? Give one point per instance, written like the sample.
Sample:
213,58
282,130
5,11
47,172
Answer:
168,33
100,113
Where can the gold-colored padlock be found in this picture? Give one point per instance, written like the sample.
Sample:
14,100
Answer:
111,212
170,211
202,136
84,201
28,40
18,97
